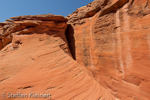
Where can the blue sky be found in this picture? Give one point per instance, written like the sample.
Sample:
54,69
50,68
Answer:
11,8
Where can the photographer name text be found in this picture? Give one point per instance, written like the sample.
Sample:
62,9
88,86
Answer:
30,95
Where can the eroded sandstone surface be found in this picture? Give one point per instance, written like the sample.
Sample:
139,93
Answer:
111,38
35,58
99,52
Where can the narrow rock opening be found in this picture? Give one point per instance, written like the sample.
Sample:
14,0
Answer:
71,40
30,26
1,44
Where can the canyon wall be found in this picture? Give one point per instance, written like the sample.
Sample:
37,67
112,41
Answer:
99,52
35,59
111,39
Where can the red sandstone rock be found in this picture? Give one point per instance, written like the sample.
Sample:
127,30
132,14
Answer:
36,59
110,38
44,17
114,44
52,25
41,66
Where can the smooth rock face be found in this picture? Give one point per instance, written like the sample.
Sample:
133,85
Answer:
35,59
114,44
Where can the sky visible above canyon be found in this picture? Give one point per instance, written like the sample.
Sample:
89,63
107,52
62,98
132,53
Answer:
11,8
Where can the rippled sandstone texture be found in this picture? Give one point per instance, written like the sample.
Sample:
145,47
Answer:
35,57
111,38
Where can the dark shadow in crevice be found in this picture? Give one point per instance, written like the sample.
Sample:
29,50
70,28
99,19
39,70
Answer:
71,40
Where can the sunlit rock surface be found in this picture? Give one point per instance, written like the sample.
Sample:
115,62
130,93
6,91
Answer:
35,58
99,52
113,42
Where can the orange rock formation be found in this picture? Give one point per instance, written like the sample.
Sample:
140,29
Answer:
99,52
112,40
36,59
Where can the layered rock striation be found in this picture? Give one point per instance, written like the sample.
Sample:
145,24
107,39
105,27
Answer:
52,25
35,59
113,42
109,42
